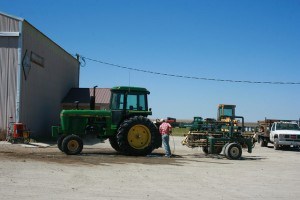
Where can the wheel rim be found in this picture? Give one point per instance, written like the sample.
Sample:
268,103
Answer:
73,145
139,137
234,152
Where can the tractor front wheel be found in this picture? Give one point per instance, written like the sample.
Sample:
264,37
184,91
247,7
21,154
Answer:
137,136
59,142
72,145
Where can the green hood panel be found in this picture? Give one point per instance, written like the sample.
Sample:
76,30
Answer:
85,113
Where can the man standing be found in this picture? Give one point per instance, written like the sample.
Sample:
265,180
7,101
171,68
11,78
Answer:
165,130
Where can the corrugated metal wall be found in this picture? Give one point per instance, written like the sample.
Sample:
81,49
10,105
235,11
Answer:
45,86
8,24
8,70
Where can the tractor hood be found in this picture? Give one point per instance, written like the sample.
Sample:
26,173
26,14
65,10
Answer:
85,113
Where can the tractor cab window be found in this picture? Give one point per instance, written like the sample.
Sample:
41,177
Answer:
136,102
228,112
225,112
117,102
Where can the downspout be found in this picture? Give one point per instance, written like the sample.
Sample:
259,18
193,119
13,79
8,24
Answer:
19,72
78,78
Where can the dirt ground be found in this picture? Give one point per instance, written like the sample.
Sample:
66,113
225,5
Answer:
101,173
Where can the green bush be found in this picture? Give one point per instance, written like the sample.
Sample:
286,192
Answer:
180,131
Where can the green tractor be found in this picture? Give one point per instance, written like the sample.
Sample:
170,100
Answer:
125,124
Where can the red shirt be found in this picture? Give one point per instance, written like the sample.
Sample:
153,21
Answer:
165,128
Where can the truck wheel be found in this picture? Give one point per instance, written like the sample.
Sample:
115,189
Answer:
233,151
72,145
137,136
59,142
276,145
114,143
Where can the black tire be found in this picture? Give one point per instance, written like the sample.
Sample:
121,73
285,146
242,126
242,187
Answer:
224,149
59,142
72,145
233,151
114,143
276,146
137,136
205,149
218,150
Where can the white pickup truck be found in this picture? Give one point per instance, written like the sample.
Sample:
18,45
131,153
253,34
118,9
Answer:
285,134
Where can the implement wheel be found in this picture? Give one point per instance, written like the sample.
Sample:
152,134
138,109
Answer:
205,149
137,136
72,145
224,149
233,151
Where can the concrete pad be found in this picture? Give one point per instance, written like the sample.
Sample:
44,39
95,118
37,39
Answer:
4,142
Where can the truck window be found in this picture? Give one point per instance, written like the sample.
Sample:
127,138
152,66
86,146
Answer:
289,126
273,127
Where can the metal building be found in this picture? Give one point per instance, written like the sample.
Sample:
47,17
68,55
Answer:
35,76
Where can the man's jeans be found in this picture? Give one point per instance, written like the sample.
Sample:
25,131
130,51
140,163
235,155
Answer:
165,141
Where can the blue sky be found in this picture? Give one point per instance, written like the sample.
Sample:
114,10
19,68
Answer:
255,40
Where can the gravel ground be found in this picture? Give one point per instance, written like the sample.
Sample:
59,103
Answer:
101,173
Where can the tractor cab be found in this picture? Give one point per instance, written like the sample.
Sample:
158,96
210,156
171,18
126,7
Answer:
225,111
229,121
126,102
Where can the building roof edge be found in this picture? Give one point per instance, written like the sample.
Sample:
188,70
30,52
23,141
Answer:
12,16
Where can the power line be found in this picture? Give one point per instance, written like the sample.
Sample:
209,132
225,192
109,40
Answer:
189,77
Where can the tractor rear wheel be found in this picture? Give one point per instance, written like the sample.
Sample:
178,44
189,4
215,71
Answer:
233,151
114,143
72,145
59,142
137,136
